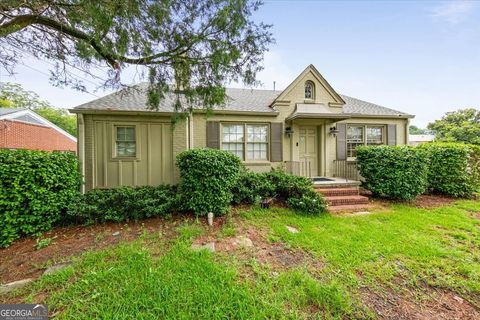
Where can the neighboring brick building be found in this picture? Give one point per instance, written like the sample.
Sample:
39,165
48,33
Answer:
24,129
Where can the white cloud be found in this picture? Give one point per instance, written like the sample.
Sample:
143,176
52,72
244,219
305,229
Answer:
453,12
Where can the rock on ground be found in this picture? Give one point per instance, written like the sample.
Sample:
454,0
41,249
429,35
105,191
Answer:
4,288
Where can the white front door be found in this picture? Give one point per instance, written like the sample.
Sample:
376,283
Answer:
308,152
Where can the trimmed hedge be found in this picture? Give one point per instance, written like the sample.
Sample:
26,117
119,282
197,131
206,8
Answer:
207,179
453,169
35,189
296,191
123,204
395,172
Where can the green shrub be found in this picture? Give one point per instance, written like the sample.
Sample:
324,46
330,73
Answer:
123,204
35,189
296,191
311,203
474,164
207,179
288,185
252,187
395,172
453,170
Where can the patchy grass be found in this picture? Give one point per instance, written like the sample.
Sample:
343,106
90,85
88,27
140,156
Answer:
331,269
404,246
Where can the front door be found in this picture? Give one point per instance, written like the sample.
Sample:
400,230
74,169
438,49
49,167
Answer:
308,152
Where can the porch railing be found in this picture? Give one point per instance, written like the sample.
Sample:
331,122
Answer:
299,168
346,169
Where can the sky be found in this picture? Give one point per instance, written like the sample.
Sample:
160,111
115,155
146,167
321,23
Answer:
419,57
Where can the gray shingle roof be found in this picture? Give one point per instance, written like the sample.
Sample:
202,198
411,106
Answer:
5,111
253,100
356,106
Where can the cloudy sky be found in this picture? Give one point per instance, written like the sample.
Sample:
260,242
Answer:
421,57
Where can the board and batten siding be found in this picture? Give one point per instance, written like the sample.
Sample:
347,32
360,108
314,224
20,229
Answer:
156,151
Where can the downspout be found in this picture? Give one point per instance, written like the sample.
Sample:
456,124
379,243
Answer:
81,148
190,131
407,129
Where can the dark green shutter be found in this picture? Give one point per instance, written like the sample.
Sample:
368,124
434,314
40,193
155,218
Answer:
341,141
276,142
213,134
392,134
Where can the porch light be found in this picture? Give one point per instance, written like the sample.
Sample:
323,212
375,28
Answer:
334,131
289,131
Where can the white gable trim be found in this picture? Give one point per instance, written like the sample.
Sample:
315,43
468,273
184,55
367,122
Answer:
13,115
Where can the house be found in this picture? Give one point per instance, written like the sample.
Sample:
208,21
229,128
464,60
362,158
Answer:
24,129
308,128
416,139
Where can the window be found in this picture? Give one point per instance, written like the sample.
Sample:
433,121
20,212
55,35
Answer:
247,141
257,142
125,143
233,139
309,90
356,137
374,136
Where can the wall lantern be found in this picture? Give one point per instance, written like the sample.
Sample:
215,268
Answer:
289,131
334,131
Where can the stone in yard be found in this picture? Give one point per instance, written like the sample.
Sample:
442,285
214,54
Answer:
292,229
56,268
208,246
243,241
4,288
116,233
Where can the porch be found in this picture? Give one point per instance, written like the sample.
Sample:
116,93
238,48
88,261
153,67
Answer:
341,171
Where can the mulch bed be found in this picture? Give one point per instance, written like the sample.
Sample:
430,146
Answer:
21,260
432,200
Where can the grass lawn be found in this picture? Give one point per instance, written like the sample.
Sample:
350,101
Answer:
334,267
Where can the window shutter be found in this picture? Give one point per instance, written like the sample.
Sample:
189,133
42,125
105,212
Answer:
342,141
392,134
276,142
213,134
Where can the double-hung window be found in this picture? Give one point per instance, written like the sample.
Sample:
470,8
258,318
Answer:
359,135
125,141
247,141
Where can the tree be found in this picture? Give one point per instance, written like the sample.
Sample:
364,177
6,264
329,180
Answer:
13,95
187,47
462,126
416,130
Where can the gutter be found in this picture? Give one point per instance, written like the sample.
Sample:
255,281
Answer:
160,113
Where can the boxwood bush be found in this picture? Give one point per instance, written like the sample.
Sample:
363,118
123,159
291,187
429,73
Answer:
123,204
453,169
35,189
296,191
207,179
395,172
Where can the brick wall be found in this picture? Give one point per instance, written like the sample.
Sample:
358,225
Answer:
21,135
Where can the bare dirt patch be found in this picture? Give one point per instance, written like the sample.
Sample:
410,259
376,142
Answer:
275,254
431,200
21,260
434,304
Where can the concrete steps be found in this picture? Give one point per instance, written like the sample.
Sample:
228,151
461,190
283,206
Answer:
343,198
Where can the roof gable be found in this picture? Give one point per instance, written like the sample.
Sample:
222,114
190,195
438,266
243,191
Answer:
323,89
28,116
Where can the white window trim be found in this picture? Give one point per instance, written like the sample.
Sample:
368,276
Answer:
114,154
365,126
245,137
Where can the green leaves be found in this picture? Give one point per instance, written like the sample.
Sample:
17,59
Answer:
454,169
297,191
460,126
123,204
35,189
395,172
185,44
207,179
